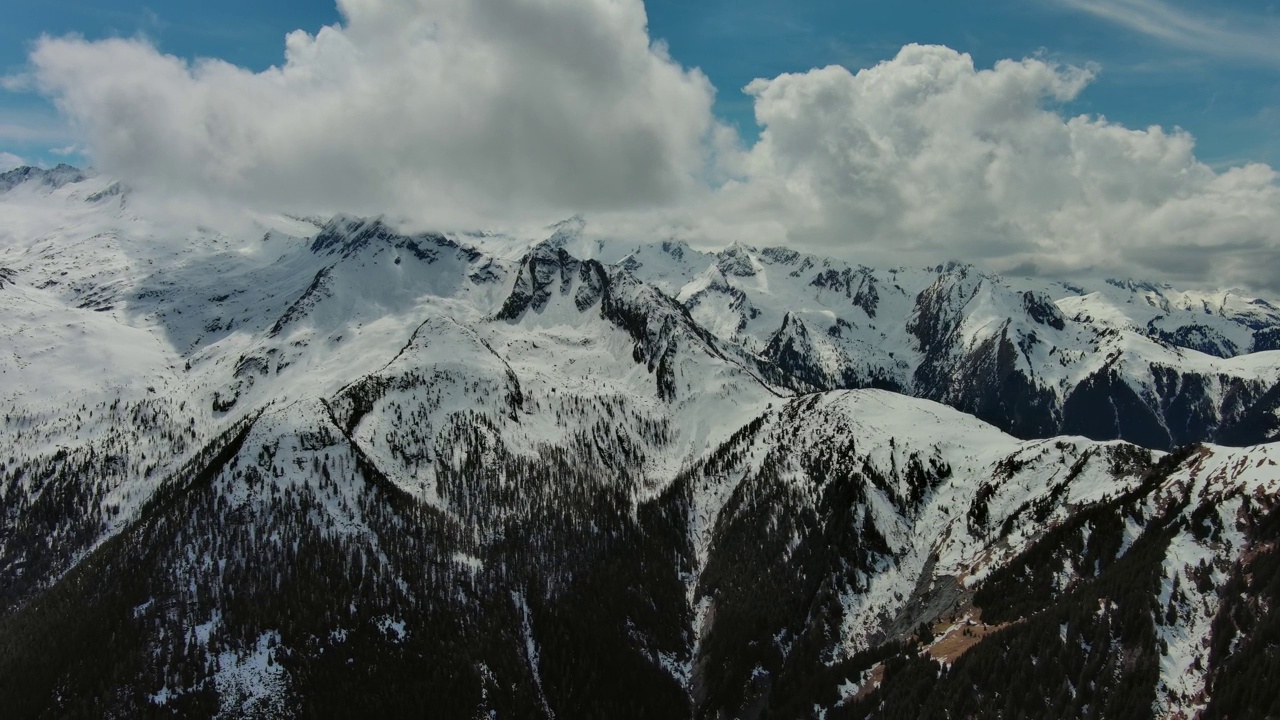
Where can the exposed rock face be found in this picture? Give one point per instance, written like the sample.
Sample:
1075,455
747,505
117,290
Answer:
336,469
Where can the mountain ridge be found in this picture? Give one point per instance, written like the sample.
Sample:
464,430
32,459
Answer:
329,466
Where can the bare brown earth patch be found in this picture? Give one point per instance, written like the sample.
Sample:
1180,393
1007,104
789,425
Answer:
955,639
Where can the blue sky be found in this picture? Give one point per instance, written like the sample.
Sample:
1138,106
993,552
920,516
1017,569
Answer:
1200,66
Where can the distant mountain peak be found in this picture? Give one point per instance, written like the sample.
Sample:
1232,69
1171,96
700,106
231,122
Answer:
53,178
675,248
338,468
1135,285
567,230
736,260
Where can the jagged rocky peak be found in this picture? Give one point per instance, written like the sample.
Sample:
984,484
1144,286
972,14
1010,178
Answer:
546,267
939,308
54,178
793,349
625,502
792,324
566,231
736,260
792,336
64,174
1041,308
781,255
347,235
675,248
716,279
859,286
960,282
1137,286
666,254
961,270
114,190
719,306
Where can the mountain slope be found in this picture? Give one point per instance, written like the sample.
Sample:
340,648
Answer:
1133,361
856,535
299,467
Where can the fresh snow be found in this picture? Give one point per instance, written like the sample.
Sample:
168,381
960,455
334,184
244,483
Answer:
118,319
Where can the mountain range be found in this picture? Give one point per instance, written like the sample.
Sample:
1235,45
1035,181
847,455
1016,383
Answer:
319,466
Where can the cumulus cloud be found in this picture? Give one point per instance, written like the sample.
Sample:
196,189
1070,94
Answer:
9,161
500,106
492,112
925,157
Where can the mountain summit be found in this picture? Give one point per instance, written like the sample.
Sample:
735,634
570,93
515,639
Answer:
328,467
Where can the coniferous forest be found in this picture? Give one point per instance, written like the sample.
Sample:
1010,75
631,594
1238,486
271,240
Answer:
347,471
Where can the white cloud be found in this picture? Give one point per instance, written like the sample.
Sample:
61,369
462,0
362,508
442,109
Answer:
496,106
1220,32
17,82
65,151
924,158
9,161
490,112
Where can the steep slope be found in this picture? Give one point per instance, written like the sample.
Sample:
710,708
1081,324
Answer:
794,567
1122,611
1223,323
257,578
40,179
299,467
1140,362
859,516
134,345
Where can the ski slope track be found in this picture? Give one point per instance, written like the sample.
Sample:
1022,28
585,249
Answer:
301,467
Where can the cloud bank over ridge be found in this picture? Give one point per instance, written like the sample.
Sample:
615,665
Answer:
496,105
927,156
511,110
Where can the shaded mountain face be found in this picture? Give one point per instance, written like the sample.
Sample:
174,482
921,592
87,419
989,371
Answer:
1125,360
329,467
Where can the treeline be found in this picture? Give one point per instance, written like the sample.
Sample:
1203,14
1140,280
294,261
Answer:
369,600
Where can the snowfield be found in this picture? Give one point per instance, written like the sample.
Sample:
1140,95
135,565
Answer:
772,441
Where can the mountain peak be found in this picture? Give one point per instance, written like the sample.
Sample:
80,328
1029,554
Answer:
793,325
347,234
554,508
736,260
567,231
675,248
804,357
53,178
964,270
548,267
1135,285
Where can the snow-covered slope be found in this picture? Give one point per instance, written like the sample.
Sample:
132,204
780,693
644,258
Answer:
285,466
1139,362
848,521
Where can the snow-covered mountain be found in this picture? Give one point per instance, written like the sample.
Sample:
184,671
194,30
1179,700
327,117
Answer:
1125,360
321,466
33,176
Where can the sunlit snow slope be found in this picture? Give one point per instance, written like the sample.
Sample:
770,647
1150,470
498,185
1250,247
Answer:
265,466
